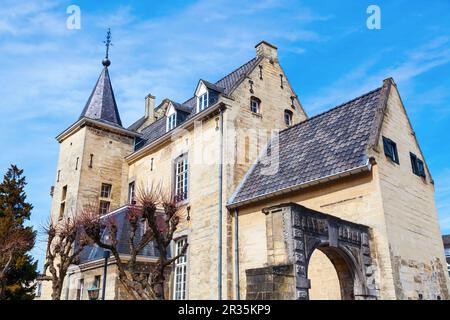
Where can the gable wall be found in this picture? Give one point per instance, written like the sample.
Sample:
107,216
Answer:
411,217
246,134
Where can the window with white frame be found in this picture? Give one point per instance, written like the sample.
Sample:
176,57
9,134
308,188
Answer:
80,289
171,121
131,193
179,288
38,289
106,190
202,102
104,207
181,178
255,105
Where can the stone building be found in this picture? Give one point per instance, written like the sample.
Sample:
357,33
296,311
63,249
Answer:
276,205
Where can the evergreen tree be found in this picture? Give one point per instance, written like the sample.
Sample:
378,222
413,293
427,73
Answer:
17,268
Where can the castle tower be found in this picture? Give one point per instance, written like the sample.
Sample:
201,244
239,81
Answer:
91,167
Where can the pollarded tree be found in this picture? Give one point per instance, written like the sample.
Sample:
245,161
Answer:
65,242
17,268
161,225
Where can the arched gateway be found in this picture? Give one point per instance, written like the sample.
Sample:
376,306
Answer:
293,233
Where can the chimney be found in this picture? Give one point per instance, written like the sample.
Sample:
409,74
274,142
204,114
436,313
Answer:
150,107
265,49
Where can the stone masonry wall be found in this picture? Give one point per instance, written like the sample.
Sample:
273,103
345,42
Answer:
270,283
411,218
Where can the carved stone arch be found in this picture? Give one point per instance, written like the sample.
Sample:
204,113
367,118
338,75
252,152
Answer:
345,243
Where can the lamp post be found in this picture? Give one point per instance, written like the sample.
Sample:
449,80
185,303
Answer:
106,254
93,292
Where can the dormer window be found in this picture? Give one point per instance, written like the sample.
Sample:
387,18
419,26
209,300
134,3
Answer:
202,102
171,121
171,116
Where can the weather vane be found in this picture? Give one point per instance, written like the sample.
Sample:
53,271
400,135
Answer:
106,62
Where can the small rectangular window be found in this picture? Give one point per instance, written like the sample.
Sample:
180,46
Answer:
105,191
171,121
131,193
64,193
62,208
202,102
288,117
179,289
417,165
38,289
80,289
97,281
390,150
104,207
181,179
254,105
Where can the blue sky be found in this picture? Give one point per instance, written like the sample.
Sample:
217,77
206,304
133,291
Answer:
163,47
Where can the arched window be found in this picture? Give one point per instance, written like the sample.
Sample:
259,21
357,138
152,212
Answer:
288,117
255,105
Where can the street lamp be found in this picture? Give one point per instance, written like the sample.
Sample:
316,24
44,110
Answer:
106,254
93,292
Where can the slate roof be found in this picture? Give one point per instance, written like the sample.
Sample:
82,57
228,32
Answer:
225,85
93,252
229,81
212,86
327,144
101,104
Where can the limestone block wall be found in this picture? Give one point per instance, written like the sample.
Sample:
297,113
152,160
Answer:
157,167
247,133
67,174
408,202
84,177
270,283
108,152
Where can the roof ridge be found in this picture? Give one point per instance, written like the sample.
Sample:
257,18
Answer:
235,70
332,109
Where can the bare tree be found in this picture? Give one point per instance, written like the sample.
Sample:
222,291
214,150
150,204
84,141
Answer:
13,242
66,241
161,225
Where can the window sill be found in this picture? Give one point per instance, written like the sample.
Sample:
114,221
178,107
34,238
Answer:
259,115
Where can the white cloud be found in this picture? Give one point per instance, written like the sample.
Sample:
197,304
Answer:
365,77
32,17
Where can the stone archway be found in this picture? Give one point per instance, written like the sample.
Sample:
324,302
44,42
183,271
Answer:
330,275
293,232
345,243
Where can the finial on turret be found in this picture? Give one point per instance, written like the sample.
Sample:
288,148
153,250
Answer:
106,62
